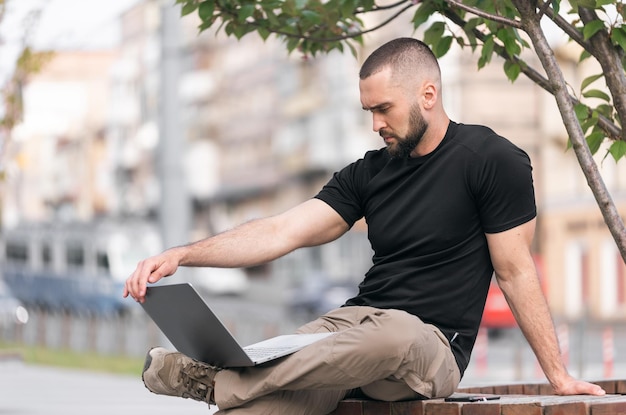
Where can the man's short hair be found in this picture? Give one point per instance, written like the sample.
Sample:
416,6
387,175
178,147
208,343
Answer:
407,57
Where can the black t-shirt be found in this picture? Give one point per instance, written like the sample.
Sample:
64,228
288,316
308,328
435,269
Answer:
427,218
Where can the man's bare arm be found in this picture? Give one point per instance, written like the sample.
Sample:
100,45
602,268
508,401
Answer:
517,277
258,241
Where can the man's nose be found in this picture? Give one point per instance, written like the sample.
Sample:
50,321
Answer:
377,122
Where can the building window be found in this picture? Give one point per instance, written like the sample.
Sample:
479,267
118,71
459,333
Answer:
17,252
75,255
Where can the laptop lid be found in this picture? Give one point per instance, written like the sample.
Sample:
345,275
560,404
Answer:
194,330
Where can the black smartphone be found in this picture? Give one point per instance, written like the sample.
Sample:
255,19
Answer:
471,398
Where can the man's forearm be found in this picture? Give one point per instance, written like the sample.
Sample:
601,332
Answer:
249,244
531,311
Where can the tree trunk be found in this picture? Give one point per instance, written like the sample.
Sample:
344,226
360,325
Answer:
531,25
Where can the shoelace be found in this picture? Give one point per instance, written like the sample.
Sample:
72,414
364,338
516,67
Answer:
193,379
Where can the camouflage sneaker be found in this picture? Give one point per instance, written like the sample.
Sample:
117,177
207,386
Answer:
174,374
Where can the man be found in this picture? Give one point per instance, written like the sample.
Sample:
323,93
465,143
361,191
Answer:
446,204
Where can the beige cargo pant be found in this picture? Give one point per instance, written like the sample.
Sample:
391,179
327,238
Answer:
389,354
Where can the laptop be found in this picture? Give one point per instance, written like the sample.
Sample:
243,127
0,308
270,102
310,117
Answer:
194,330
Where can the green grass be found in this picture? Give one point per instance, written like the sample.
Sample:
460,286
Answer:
74,360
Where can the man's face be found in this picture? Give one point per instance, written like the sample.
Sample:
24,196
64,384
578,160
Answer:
396,114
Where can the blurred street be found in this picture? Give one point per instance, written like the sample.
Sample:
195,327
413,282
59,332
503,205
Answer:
34,390
39,390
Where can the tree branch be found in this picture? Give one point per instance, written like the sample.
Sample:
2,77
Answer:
345,36
611,130
494,18
387,7
566,26
602,49
589,167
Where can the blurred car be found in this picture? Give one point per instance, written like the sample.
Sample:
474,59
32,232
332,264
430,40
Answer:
219,281
11,309
317,294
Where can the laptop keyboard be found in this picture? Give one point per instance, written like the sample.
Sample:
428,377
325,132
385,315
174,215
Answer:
256,353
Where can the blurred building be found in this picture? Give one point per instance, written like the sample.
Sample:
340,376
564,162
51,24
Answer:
59,167
261,131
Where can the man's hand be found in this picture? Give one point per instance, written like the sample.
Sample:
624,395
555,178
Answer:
150,270
578,387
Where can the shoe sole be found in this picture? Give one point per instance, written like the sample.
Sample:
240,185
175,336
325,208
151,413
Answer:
147,364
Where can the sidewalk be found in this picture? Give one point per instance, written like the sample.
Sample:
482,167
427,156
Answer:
40,390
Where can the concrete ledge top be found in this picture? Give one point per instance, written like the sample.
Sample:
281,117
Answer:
513,399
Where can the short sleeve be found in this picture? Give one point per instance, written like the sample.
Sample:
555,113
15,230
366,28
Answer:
342,192
505,194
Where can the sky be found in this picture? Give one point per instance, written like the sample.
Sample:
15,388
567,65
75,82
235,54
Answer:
60,24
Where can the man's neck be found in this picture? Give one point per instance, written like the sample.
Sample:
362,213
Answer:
433,136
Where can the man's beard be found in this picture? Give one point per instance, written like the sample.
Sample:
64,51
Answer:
417,127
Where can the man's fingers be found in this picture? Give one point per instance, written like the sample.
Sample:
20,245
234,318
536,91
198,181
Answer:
148,271
579,387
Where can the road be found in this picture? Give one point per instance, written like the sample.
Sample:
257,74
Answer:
40,390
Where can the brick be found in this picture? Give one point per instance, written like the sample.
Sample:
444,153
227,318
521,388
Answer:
531,389
545,389
566,408
481,408
610,386
487,390
376,408
408,408
440,407
470,389
349,407
528,408
511,403
517,389
608,408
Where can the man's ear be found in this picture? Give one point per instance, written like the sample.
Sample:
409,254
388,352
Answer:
429,95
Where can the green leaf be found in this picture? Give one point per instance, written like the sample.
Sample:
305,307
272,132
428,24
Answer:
512,70
582,111
486,52
244,12
271,17
508,37
618,36
241,30
584,55
347,8
618,149
589,80
434,33
606,110
594,140
352,49
592,28
206,9
188,8
310,17
443,46
423,13
589,4
292,43
469,32
596,93
264,33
